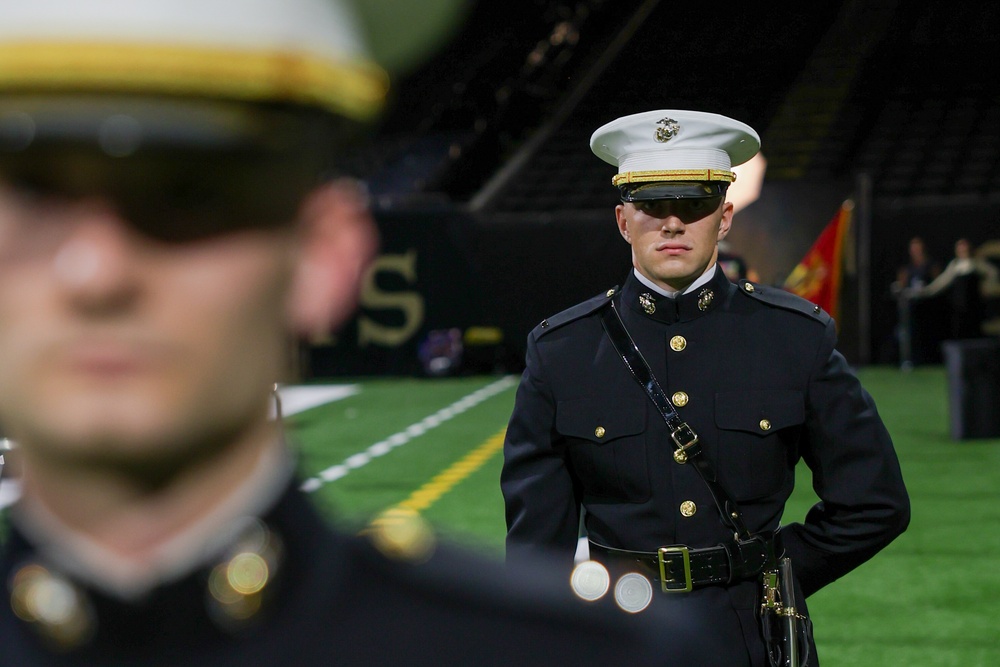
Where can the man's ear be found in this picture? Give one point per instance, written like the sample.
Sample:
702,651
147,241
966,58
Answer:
338,240
622,222
727,220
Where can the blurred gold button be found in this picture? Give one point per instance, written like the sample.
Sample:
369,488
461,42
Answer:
765,425
609,293
402,534
599,431
680,399
53,605
678,343
748,287
688,508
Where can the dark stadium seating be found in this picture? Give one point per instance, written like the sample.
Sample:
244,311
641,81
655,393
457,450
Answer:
889,102
900,91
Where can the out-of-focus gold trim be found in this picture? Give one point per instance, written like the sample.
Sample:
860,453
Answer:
353,89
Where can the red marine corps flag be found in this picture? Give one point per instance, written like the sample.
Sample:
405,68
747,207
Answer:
817,276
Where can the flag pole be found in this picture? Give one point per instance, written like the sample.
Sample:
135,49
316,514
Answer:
862,212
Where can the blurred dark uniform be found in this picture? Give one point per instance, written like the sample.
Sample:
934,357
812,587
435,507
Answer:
329,599
277,586
754,371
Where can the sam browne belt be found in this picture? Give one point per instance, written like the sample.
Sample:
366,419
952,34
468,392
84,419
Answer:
680,568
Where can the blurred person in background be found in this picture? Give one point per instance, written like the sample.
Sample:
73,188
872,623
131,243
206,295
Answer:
914,343
920,270
664,419
167,225
965,280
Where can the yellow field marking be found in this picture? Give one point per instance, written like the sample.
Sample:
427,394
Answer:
445,481
412,432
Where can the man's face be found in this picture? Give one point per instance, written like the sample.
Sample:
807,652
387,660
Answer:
120,348
962,249
674,240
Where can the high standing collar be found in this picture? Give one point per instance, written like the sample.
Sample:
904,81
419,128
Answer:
683,307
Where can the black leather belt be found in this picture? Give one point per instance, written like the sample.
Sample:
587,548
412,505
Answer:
680,568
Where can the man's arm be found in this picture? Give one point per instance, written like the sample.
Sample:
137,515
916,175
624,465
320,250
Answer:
542,507
863,501
941,282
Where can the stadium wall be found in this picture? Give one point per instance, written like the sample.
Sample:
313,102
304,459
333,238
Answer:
494,278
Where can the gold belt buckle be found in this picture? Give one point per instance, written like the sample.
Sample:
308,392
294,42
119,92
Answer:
684,436
670,583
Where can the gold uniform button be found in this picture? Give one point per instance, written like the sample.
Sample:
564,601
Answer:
402,535
748,287
680,399
678,343
765,425
688,508
599,431
610,293
53,605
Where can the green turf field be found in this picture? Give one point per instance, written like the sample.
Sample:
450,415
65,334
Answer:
930,599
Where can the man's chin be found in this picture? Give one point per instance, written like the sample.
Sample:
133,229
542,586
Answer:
93,430
82,441
676,274
101,428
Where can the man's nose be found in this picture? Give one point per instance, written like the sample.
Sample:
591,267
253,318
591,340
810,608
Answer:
95,265
671,223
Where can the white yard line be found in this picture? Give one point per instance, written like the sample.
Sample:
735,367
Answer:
10,491
296,398
399,439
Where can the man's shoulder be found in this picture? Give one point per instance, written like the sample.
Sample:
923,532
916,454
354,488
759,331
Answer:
574,313
407,557
472,607
775,297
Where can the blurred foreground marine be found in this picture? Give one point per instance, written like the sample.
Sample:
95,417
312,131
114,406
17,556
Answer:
165,229
682,469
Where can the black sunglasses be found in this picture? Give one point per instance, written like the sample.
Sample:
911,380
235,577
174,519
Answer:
172,197
201,169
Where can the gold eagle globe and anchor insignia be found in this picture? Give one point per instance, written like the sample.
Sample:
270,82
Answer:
647,303
669,128
705,298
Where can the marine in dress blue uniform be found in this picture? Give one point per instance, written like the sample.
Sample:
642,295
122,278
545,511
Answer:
153,157
752,369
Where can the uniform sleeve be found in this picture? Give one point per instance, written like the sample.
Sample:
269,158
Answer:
542,507
856,475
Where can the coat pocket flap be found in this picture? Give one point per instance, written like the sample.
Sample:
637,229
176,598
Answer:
599,421
759,412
